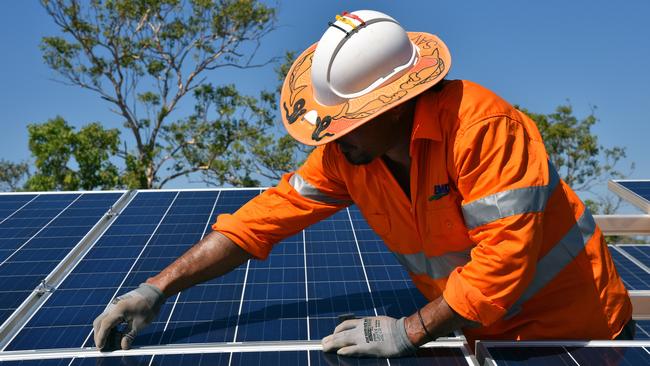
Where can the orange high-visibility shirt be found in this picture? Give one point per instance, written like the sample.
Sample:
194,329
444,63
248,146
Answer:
489,224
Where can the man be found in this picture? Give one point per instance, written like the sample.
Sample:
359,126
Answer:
454,179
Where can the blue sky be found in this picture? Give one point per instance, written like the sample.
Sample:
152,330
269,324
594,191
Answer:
534,54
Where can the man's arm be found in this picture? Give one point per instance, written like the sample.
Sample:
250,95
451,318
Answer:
300,199
213,256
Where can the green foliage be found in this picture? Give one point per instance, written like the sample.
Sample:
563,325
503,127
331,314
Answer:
144,57
66,159
574,150
12,175
230,137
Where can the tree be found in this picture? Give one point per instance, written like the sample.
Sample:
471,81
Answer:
69,160
12,175
144,56
576,154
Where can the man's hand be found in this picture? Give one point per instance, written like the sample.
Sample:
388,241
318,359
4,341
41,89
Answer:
137,308
379,336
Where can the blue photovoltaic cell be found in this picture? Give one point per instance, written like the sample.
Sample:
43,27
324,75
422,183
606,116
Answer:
65,319
432,356
393,290
16,229
639,187
642,329
274,306
10,203
38,236
633,276
512,356
208,312
335,277
640,252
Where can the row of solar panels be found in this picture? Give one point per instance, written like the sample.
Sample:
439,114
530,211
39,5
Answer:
334,267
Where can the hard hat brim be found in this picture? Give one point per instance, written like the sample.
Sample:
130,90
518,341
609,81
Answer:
315,124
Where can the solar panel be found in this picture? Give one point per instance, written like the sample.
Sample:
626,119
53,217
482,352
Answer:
334,267
564,353
66,319
38,234
641,253
634,276
636,192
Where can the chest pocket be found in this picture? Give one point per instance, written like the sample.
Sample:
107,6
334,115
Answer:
444,224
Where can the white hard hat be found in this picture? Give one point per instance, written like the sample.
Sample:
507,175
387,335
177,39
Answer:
358,53
364,65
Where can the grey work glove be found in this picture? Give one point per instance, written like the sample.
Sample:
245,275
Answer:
136,308
379,336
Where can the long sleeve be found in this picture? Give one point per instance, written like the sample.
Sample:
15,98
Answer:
300,199
505,180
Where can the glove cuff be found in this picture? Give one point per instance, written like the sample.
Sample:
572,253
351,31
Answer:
403,339
152,293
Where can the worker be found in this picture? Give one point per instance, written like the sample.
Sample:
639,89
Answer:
455,180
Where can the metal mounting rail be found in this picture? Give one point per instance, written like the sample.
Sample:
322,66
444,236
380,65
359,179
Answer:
44,290
640,304
624,224
176,349
628,195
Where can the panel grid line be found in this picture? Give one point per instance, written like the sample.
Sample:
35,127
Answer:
41,229
241,301
570,355
304,252
19,208
134,262
363,267
632,259
207,224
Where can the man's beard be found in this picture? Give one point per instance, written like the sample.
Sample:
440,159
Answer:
360,159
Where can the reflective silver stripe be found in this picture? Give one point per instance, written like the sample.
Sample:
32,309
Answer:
435,267
563,253
508,203
306,190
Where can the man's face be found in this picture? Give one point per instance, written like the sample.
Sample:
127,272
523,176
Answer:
374,138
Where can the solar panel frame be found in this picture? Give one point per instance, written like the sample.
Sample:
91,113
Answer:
510,353
439,353
634,191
